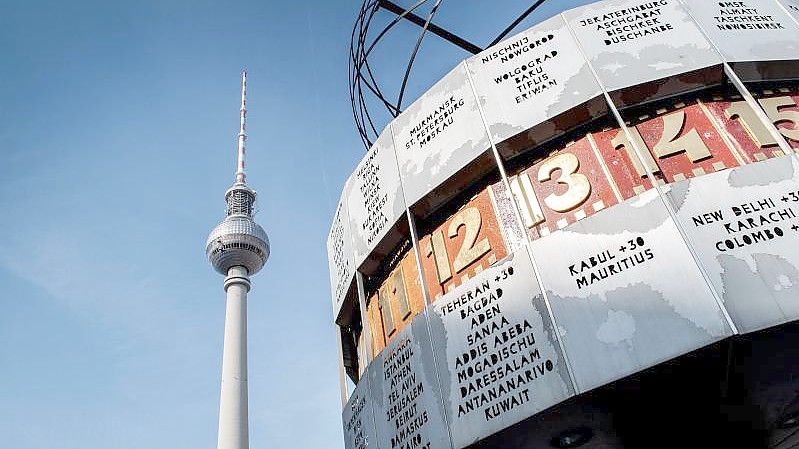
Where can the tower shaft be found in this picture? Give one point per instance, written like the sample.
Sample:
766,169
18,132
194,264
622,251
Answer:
233,409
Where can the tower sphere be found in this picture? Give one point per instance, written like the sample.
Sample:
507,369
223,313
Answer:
237,241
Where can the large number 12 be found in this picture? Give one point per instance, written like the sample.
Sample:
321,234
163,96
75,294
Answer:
470,250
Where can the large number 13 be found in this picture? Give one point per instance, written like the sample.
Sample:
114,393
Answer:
579,188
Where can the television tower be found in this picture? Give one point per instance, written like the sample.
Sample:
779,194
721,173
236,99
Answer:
237,248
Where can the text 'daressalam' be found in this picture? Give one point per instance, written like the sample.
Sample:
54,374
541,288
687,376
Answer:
496,372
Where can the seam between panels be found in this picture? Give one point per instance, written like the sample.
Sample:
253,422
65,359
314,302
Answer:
425,295
669,209
525,236
784,8
741,87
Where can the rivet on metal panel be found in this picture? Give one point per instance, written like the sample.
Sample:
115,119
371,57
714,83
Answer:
599,205
679,177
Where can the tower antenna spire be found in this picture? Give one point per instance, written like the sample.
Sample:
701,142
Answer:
240,176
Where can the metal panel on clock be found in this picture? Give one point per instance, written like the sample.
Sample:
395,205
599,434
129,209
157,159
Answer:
744,225
406,393
438,135
339,256
496,351
748,30
626,292
374,197
358,419
530,78
632,42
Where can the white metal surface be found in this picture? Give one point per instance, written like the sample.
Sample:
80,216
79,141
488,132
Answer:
526,80
754,30
374,199
630,42
340,256
438,135
233,411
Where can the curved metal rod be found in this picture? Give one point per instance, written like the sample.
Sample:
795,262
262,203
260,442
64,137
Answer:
415,51
394,22
361,112
363,61
515,23
356,90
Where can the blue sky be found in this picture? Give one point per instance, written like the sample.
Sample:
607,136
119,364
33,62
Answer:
117,142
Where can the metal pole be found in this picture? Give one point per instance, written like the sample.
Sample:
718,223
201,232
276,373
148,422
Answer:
342,374
515,23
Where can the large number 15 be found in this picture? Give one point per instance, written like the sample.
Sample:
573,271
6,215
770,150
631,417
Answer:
774,108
